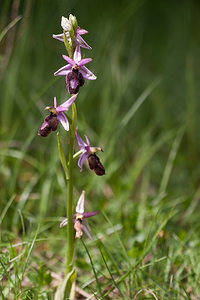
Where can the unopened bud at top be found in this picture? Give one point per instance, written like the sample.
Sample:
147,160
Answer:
65,24
69,25
73,22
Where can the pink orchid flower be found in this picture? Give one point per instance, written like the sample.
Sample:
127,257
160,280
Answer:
88,153
79,219
56,115
75,71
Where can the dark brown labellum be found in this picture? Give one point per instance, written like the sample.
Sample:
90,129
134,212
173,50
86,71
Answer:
50,123
99,169
93,160
44,131
53,122
96,165
74,81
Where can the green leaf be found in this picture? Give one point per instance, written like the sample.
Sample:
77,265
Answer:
93,268
10,25
113,280
66,289
62,156
136,105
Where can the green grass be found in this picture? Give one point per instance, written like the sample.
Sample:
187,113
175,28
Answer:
143,111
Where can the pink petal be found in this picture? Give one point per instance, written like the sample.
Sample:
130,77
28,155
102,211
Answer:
59,37
81,31
55,102
63,120
90,214
87,74
65,221
65,106
86,229
82,159
80,203
82,42
77,54
84,61
88,142
79,140
63,71
69,60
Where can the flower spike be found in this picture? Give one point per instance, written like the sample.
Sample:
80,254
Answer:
56,115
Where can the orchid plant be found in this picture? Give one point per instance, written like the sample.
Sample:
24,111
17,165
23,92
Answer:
75,73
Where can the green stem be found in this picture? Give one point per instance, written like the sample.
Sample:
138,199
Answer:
66,289
70,226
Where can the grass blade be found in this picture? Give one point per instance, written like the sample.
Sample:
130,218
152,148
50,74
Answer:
113,280
5,31
29,254
136,105
6,208
93,268
170,162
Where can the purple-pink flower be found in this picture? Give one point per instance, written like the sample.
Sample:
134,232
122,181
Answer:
88,153
79,219
56,115
75,71
78,40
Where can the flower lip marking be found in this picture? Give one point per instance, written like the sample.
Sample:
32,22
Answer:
75,68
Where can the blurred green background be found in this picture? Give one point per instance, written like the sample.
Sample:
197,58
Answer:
142,110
